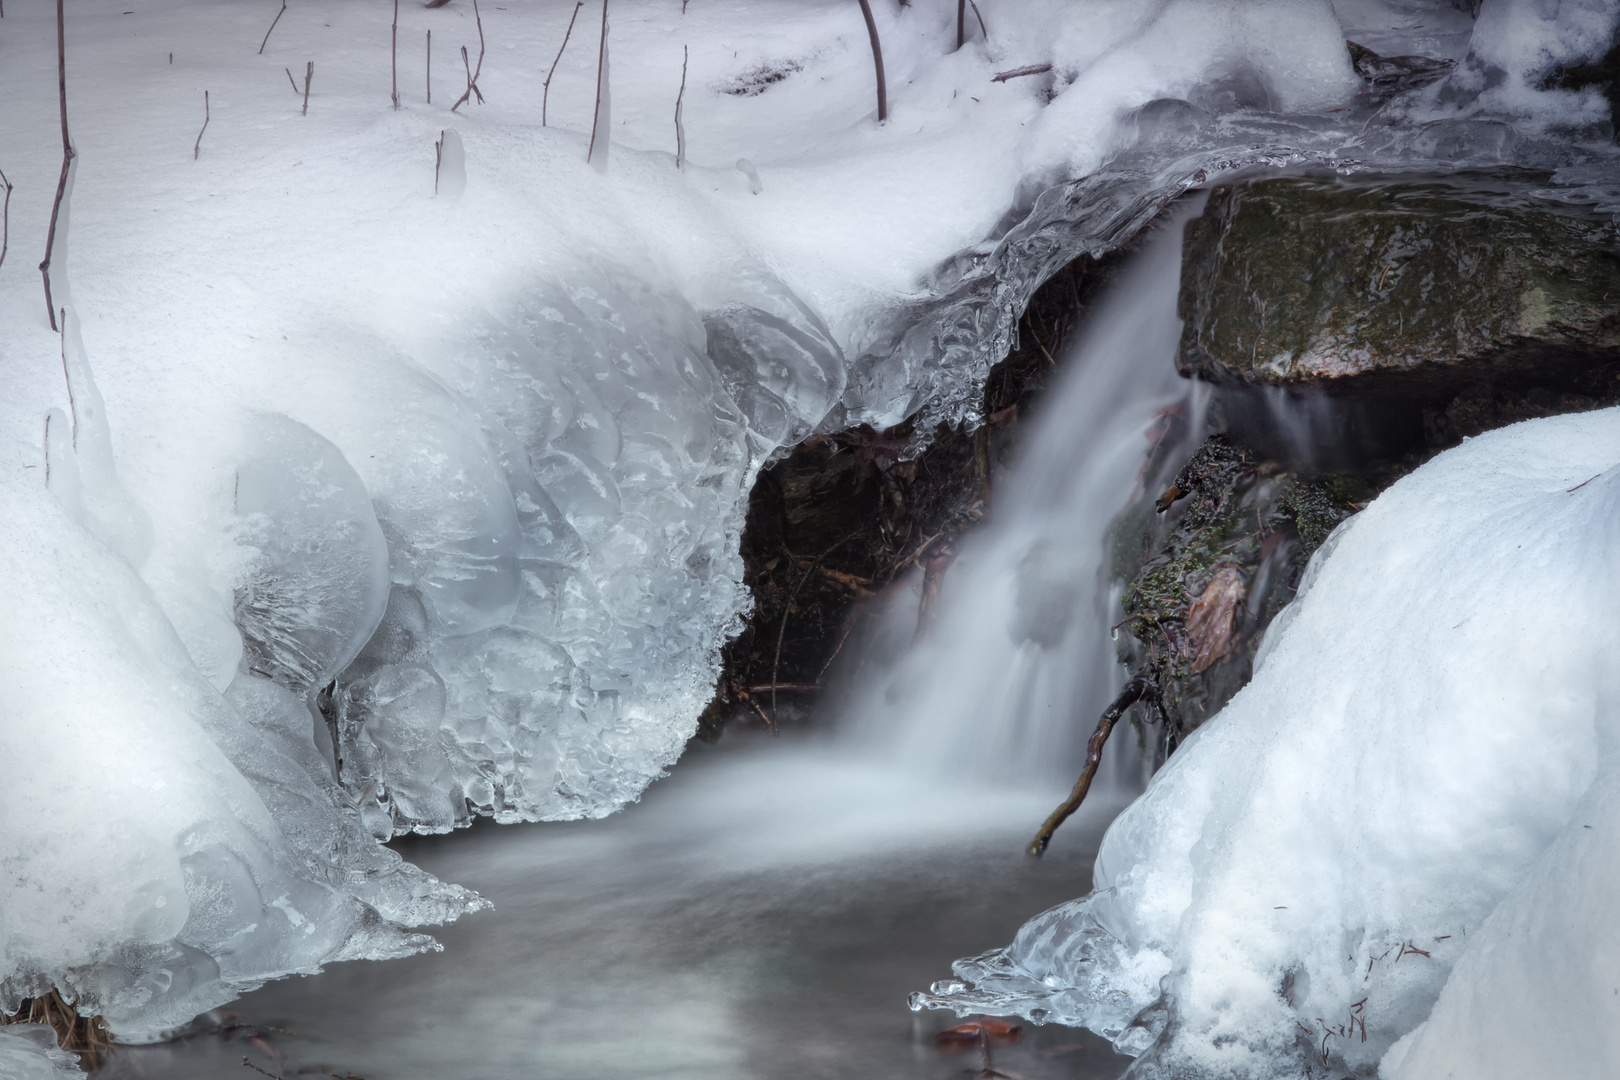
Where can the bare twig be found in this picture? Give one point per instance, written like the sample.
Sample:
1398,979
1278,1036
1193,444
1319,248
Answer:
472,72
430,67
255,1068
976,15
438,160
680,131
787,609
290,79
67,160
877,62
5,221
961,23
1018,73
546,91
1138,689
197,146
601,62
753,703
309,73
790,687
393,58
273,22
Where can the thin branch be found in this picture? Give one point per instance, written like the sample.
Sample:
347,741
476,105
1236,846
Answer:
430,68
5,220
680,131
877,61
438,160
961,23
601,57
472,72
787,609
67,159
1138,689
290,79
547,84
197,147
309,73
273,22
1018,73
393,58
976,15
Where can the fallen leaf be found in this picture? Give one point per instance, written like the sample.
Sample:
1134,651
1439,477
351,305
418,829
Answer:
1210,622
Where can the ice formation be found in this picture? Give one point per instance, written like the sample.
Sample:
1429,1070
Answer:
427,506
1415,792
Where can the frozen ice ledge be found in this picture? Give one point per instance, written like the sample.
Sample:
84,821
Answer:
500,588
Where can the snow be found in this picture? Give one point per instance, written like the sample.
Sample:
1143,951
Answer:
1415,792
477,459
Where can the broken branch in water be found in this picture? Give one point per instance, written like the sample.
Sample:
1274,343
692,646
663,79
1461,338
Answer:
196,147
1139,688
877,61
1018,73
273,22
67,160
546,86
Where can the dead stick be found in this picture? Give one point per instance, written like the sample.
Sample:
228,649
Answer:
430,68
262,1072
787,609
5,221
961,23
877,62
309,73
393,58
1018,73
479,70
680,132
770,724
290,79
273,22
546,94
790,687
601,59
468,92
976,15
1135,690
197,146
67,159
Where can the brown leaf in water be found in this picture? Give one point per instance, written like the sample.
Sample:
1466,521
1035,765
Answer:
1210,622
966,1036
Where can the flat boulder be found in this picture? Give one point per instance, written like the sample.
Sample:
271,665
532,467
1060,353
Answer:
1416,287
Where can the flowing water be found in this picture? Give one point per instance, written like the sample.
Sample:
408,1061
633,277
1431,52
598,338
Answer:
765,911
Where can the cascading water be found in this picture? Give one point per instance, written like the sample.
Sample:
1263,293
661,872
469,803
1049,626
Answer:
1015,662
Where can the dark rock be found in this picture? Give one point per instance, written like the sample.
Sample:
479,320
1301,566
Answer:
1401,288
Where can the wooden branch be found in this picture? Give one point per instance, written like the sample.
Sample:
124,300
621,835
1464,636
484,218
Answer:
1137,689
976,15
273,22
1018,73
961,23
472,73
393,58
790,687
67,160
601,58
309,73
546,94
438,160
290,79
462,100
5,221
430,67
680,132
877,61
197,147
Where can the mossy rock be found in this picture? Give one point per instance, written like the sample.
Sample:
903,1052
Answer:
1397,286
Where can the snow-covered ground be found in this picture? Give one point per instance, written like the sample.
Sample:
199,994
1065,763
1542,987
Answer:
477,459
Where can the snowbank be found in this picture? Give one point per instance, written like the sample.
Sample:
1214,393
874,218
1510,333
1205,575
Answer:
406,506
1429,738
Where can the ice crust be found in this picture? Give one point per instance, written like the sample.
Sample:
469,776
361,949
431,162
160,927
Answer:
427,506
1415,792
29,1052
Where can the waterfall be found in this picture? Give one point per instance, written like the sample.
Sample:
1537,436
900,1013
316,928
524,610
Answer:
1015,662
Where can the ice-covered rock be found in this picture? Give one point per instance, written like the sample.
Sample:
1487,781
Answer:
1398,803
29,1052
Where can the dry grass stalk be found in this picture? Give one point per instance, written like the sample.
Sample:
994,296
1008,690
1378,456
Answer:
76,1033
266,40
877,62
67,160
546,86
473,73
196,147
